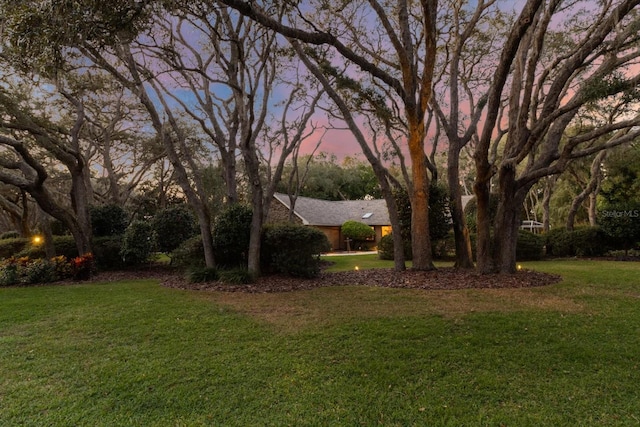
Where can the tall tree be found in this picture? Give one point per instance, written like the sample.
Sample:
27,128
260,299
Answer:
548,89
405,67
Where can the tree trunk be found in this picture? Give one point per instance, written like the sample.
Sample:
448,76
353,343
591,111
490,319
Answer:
464,256
420,238
508,221
253,170
546,203
484,262
590,189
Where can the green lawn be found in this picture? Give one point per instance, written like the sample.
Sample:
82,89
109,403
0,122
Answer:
137,354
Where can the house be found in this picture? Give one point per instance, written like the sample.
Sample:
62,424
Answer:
329,216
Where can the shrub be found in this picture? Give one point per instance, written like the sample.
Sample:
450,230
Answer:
293,249
558,241
189,254
621,224
231,235
582,241
39,271
64,245
12,247
8,273
82,267
529,246
137,243
589,241
174,225
202,274
357,231
236,276
9,235
108,220
385,248
106,250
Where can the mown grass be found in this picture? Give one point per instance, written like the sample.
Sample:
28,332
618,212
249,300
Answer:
134,353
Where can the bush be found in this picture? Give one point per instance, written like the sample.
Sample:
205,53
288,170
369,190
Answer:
31,271
202,274
583,241
558,241
293,249
82,267
621,224
107,252
108,220
189,254
385,248
175,225
12,247
231,236
236,276
137,243
40,271
589,241
9,235
357,231
529,246
64,246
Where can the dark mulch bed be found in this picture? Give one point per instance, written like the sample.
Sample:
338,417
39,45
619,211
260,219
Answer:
441,279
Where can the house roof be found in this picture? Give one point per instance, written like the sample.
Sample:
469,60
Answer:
335,213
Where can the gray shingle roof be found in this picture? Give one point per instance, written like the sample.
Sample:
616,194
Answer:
335,213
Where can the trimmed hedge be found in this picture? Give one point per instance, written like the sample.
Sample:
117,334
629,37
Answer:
530,246
12,247
231,233
293,249
357,231
582,241
173,226
108,220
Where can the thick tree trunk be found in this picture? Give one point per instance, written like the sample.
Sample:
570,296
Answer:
464,256
253,256
79,199
508,221
420,238
484,261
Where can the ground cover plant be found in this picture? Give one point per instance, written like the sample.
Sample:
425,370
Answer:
132,352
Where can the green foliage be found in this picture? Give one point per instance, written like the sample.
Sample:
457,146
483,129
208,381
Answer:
293,249
108,220
138,243
327,179
9,235
202,274
582,241
39,271
189,254
529,246
12,247
357,231
27,271
173,226
63,245
107,252
559,242
471,210
385,248
231,234
439,217
621,223
236,276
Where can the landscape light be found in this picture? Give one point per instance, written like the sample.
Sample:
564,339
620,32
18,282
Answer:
37,240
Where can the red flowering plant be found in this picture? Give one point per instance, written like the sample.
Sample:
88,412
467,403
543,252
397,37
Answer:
82,267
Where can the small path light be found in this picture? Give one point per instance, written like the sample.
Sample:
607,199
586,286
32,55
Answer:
37,240
357,268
